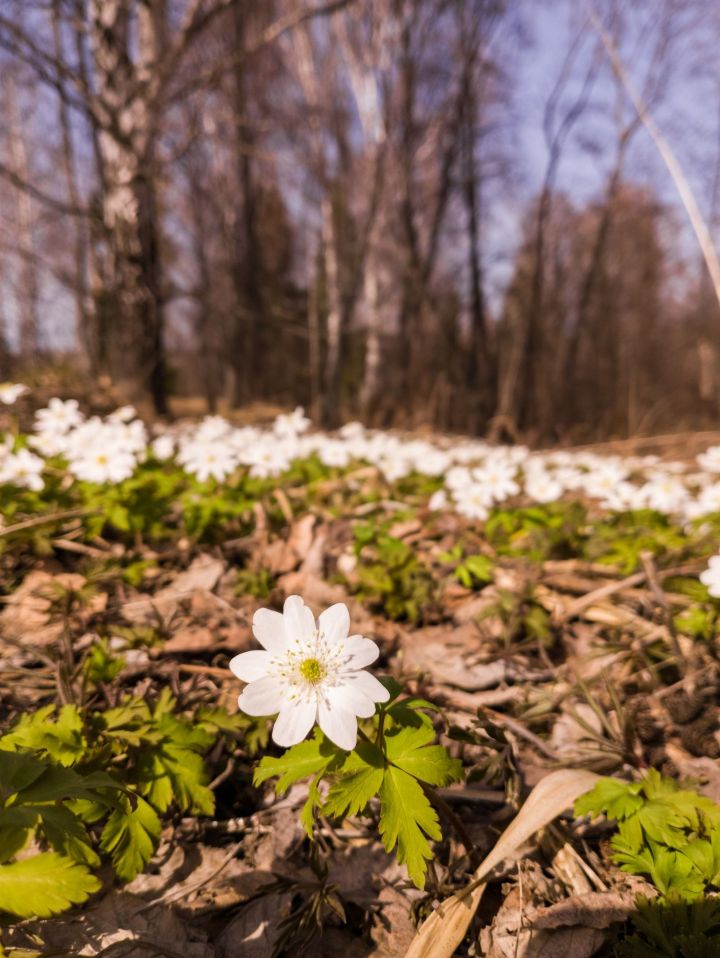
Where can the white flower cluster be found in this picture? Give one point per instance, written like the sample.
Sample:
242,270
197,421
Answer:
475,476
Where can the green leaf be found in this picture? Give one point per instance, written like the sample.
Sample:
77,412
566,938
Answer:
44,885
130,836
17,771
175,774
410,750
612,798
300,761
406,817
67,834
313,801
16,825
62,740
362,776
58,783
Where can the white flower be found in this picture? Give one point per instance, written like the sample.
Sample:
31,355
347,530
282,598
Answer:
267,459
23,469
213,427
308,673
123,414
711,577
710,459
498,479
352,430
163,448
208,458
58,418
473,502
541,486
104,464
291,424
333,452
11,392
664,493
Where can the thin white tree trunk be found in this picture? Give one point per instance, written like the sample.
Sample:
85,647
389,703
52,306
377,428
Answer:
700,228
334,308
29,285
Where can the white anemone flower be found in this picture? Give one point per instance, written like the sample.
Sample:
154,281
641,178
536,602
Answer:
710,459
163,447
11,392
123,414
58,418
23,469
291,424
309,672
711,577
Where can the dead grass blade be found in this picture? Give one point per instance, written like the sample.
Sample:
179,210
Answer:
441,934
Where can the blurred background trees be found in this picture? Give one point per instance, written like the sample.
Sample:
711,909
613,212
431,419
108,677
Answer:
414,212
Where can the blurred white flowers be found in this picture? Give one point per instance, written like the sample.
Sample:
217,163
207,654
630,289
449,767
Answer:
711,577
476,476
309,673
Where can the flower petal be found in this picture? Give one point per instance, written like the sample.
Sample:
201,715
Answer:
360,652
294,721
269,630
368,685
264,697
251,666
346,695
338,724
335,623
298,621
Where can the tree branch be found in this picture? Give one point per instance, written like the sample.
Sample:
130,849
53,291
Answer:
702,233
57,205
272,33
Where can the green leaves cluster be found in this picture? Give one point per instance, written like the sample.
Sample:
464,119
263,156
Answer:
38,799
396,768
87,784
668,833
552,531
390,575
473,571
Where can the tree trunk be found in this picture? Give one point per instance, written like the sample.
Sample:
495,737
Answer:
129,195
84,320
334,321
29,284
250,319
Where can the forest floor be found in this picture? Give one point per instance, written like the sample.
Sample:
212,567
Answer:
539,657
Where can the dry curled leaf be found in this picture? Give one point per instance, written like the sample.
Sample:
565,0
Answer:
443,931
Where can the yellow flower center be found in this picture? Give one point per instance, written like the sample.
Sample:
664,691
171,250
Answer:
313,671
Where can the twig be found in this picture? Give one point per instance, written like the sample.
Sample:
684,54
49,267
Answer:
652,580
519,729
585,601
42,520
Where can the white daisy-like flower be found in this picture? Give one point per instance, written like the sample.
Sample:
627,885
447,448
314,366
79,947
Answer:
58,418
309,673
11,392
711,577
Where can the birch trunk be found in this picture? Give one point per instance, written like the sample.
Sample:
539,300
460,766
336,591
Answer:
28,285
129,196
